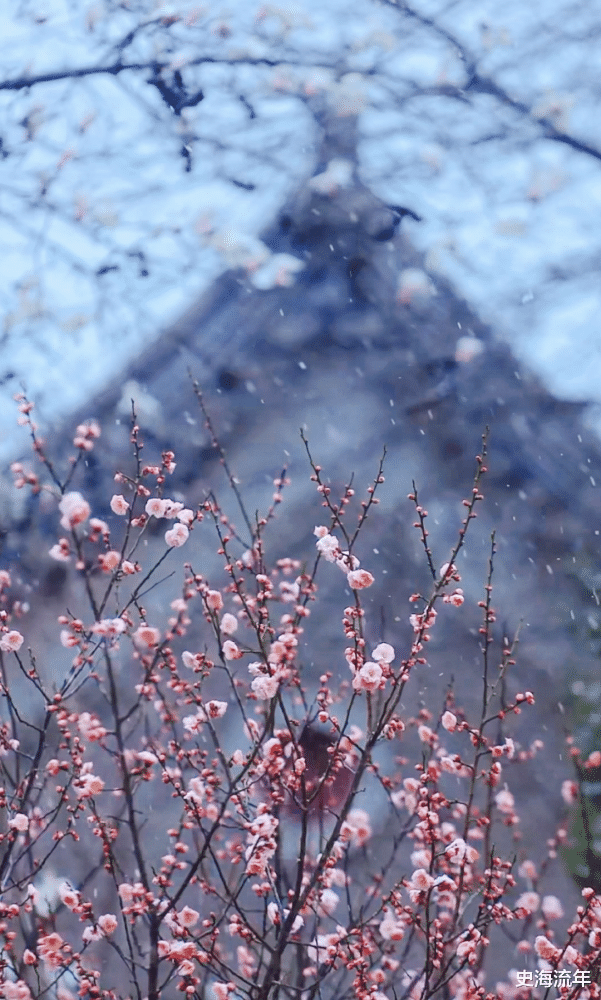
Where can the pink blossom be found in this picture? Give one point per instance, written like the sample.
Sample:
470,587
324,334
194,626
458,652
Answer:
527,870
384,653
456,598
107,923
119,504
529,901
177,535
569,792
328,901
544,948
186,516
192,660
11,641
265,687
74,509
194,723
5,580
356,828
229,624
329,547
214,600
90,727
19,822
459,851
421,880
68,895
391,928
99,526
145,635
91,934
223,990
358,579
368,678
109,627
216,709
61,551
449,722
126,892
505,801
188,917
88,786
320,531
552,908
196,790
49,949
231,650
155,507
110,560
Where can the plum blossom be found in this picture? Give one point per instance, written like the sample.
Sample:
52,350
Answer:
19,822
261,843
110,560
328,546
356,828
88,786
529,901
193,723
569,792
368,678
147,636
74,509
391,928
119,504
228,624
421,880
68,895
107,923
108,627
358,579
328,901
449,722
505,801
552,908
231,650
188,917
544,948
274,915
177,535
61,551
186,516
216,709
265,687
460,852
214,600
49,949
90,727
223,990
155,507
192,660
383,653
11,642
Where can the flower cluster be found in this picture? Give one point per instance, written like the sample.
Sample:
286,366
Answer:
189,810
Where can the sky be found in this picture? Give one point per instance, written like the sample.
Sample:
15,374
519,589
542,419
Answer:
116,212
